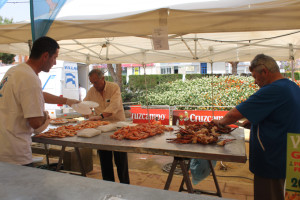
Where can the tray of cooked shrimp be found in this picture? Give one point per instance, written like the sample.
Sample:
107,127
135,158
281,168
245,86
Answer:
206,133
140,131
70,130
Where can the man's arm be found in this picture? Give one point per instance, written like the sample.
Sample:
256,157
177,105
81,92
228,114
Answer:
231,117
36,122
52,99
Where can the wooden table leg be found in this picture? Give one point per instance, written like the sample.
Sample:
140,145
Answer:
181,188
83,173
61,156
47,156
171,173
215,179
218,193
186,176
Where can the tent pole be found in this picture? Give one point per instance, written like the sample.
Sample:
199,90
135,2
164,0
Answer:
30,46
107,46
147,104
212,80
212,89
87,62
292,59
196,57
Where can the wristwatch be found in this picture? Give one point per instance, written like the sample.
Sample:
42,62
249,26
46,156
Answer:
102,116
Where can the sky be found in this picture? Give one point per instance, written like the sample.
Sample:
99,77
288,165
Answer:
19,10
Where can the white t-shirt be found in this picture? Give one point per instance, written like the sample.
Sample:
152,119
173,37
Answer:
21,97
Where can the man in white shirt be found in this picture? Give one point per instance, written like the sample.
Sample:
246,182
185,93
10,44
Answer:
22,102
108,96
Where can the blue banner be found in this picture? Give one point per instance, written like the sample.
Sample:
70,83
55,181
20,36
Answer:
42,14
2,2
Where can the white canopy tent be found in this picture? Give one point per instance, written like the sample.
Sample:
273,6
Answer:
206,31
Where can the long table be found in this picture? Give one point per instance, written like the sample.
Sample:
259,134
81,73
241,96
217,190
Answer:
26,183
158,145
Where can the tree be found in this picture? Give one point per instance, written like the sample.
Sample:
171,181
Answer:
5,20
5,57
234,67
116,75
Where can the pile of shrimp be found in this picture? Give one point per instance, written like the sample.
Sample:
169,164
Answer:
71,130
140,131
205,133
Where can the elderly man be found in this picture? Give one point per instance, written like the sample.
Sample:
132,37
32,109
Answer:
108,96
22,102
273,111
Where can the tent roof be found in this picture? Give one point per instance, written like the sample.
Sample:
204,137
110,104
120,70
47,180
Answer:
194,35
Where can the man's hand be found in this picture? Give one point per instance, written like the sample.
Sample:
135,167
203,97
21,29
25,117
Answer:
246,124
70,102
95,118
217,122
44,125
37,122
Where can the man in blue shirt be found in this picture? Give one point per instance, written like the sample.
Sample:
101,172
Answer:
273,111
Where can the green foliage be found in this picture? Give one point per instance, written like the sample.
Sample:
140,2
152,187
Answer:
136,89
227,91
289,75
196,76
5,20
127,94
137,82
7,58
110,79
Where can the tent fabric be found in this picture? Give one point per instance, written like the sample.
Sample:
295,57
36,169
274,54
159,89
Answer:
2,2
42,15
201,35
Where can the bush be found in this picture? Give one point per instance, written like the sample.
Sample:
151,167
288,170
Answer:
226,91
289,75
138,81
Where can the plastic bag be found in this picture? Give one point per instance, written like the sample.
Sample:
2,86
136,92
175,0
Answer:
107,128
113,197
88,132
200,169
123,123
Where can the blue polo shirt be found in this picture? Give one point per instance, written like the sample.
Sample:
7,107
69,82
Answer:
274,111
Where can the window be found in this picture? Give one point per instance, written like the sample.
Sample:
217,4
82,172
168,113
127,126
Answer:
175,69
124,70
203,68
165,70
135,70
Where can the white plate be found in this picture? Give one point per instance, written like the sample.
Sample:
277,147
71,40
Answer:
82,108
58,121
91,104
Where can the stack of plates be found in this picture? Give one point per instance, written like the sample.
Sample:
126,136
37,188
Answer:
84,107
